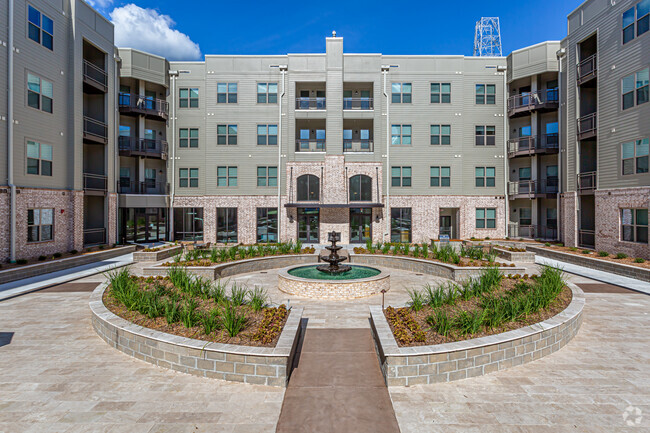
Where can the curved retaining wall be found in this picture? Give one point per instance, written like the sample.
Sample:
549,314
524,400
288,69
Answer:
416,365
333,289
258,365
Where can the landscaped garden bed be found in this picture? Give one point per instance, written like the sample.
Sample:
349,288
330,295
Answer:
157,253
514,254
197,308
211,256
613,257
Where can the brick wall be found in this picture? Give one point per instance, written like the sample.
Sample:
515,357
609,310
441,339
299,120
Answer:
569,222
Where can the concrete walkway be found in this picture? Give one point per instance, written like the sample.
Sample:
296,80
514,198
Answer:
15,288
337,386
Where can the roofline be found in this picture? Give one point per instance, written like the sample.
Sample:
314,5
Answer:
535,45
143,52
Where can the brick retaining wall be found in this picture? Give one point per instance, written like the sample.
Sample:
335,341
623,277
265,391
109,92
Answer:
515,256
154,256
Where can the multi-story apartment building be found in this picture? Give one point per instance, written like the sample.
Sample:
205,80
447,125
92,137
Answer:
57,189
548,143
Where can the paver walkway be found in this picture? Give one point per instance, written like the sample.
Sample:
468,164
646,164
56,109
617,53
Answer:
337,386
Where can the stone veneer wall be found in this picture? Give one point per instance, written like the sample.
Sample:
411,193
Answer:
111,237
68,221
405,366
569,218
515,256
154,256
257,365
333,289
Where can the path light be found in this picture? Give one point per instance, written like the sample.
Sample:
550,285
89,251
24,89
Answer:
383,293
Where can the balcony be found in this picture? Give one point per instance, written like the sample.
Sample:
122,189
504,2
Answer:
310,145
360,145
151,108
587,182
127,186
587,69
358,104
587,126
132,146
587,238
95,184
95,78
528,146
94,236
310,103
530,189
515,230
541,100
95,132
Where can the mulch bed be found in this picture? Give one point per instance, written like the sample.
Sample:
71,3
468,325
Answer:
594,255
464,261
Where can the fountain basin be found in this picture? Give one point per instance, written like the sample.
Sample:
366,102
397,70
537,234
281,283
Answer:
307,281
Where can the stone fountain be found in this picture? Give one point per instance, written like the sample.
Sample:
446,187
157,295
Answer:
333,268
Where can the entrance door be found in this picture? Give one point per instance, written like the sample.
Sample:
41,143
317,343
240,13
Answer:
308,225
445,225
360,225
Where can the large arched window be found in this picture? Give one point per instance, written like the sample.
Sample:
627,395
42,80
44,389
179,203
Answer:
360,188
308,188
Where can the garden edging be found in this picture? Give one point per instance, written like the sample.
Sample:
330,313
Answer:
405,366
249,364
154,256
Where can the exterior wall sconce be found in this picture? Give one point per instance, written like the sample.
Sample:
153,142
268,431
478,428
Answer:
291,219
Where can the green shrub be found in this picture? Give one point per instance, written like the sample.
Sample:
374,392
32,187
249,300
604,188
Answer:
73,252
238,294
425,250
257,298
171,312
41,258
547,244
470,323
586,251
559,244
232,321
603,253
57,255
487,238
219,292
124,288
188,315
621,256
639,260
101,247
417,300
434,297
210,321
573,249
441,322
21,261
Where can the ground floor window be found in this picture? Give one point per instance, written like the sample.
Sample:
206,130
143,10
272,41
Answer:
227,225
143,225
525,216
188,224
634,225
551,218
486,218
400,224
40,225
267,224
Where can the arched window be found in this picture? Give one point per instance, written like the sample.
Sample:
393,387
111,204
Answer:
308,188
360,188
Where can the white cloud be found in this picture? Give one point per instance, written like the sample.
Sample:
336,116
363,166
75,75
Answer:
147,30
100,4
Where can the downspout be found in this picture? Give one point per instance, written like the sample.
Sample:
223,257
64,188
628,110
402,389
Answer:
116,144
388,169
505,151
283,71
170,231
560,54
10,136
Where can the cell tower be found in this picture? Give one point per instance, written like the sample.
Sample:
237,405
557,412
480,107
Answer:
487,38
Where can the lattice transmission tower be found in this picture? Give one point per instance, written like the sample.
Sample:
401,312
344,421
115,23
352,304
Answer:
487,38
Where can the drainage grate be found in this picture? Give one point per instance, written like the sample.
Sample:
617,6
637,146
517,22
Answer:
263,272
418,275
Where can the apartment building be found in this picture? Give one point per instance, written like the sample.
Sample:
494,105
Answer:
606,196
62,83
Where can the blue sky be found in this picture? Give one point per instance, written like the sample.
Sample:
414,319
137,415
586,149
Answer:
254,27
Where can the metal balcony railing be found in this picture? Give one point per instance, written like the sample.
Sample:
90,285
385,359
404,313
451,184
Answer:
587,181
531,100
529,145
587,126
310,145
317,103
358,145
94,236
95,74
516,230
587,238
358,103
95,182
530,188
127,186
144,104
95,129
587,69
143,147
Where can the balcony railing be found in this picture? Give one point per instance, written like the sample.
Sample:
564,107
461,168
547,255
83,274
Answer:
95,75
358,145
94,236
132,146
530,188
358,103
586,238
522,146
587,126
95,130
310,103
95,182
532,100
147,105
310,145
587,69
587,181
538,231
127,186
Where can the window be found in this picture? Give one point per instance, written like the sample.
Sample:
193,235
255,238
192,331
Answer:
440,134
486,94
639,17
227,134
485,177
227,93
226,176
40,28
188,177
635,157
400,224
401,135
188,224
634,225
308,188
486,218
524,173
188,97
635,89
188,137
360,188
40,225
525,216
39,93
226,225
440,176
401,93
267,135
552,179
485,135
267,176
440,93
267,93
267,224
551,218
39,158
401,176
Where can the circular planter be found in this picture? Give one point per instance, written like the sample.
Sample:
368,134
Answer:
333,289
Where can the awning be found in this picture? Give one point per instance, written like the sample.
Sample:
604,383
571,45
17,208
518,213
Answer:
333,205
